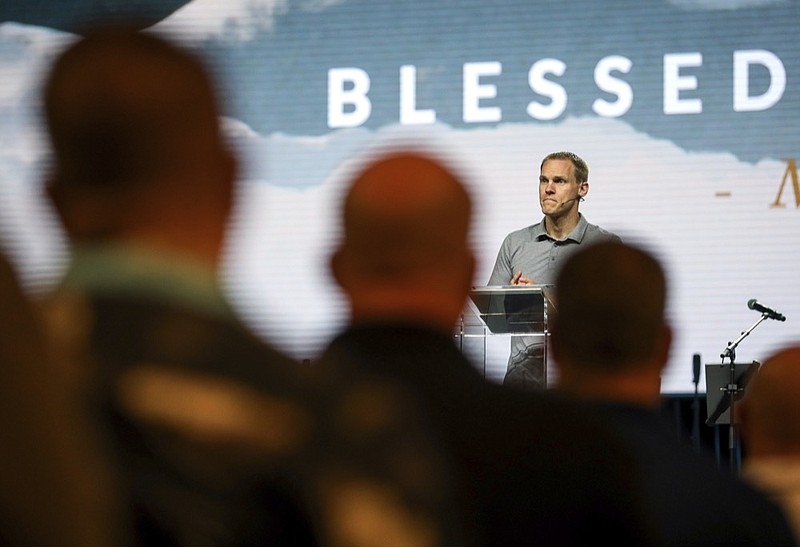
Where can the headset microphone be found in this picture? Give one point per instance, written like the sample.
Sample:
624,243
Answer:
577,198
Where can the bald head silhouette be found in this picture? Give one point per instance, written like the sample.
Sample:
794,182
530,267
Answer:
137,148
405,251
610,336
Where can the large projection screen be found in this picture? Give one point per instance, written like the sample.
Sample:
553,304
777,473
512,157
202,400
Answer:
687,112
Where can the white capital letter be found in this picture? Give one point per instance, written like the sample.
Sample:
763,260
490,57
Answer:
339,97
742,101
620,88
543,86
474,92
674,83
409,115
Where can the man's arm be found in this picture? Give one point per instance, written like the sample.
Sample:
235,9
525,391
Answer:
502,273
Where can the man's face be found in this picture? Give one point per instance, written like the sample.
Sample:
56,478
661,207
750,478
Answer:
558,188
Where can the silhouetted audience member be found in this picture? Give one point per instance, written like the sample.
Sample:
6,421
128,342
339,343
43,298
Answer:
57,485
204,417
770,430
611,342
534,471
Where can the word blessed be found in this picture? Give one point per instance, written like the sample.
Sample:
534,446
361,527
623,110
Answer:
349,104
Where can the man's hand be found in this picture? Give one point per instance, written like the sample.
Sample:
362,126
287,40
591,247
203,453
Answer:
519,279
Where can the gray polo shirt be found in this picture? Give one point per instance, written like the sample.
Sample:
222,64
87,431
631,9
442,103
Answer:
538,256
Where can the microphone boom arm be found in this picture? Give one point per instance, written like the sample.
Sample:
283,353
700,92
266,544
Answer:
730,351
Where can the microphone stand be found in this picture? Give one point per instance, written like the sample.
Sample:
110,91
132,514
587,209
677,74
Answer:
732,389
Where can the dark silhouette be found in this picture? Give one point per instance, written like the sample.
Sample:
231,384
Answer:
57,483
770,431
611,341
204,418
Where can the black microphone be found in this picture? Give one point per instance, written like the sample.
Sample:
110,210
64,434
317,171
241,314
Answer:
696,368
753,304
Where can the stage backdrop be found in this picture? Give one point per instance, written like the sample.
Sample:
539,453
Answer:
687,112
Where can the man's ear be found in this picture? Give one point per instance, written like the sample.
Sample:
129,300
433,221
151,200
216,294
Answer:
84,215
61,202
665,346
337,267
469,270
53,196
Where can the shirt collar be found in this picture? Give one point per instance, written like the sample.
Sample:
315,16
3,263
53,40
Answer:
117,269
576,235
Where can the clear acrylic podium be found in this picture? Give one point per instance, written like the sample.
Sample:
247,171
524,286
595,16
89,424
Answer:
495,314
